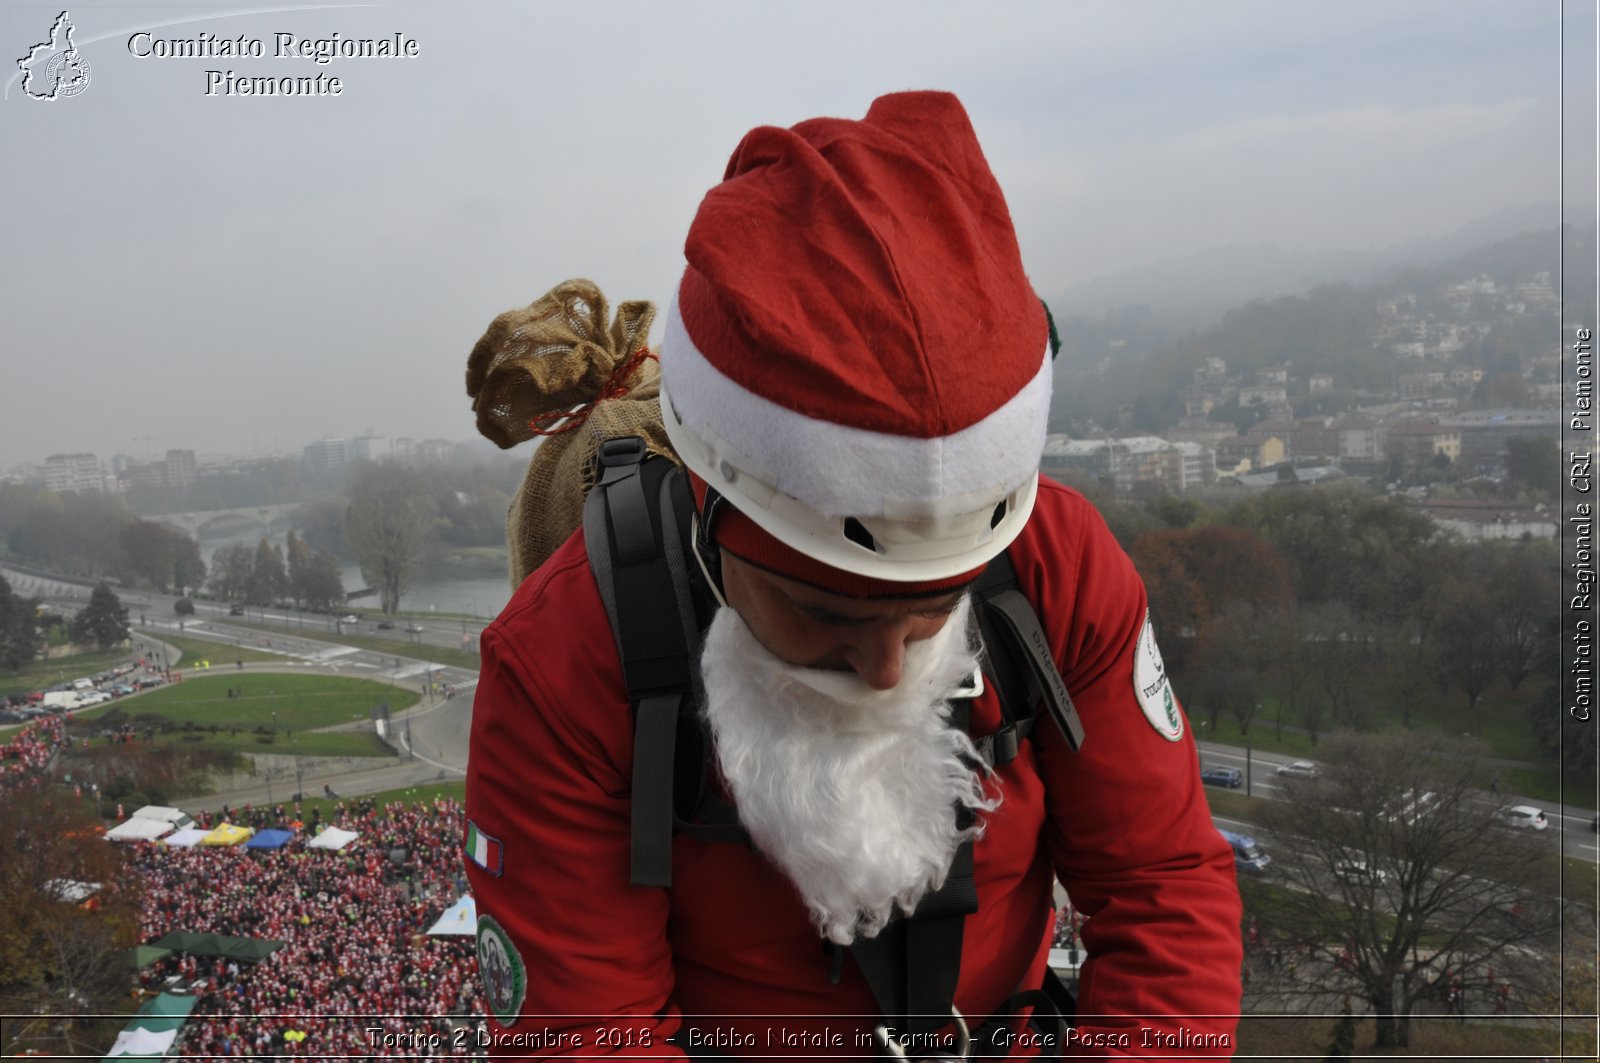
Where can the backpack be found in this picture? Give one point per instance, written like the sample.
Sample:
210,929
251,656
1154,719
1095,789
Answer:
639,530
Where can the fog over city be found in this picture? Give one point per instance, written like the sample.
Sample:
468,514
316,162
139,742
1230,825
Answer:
244,275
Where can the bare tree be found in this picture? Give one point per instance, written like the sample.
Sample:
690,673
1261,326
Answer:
1402,889
389,528
70,912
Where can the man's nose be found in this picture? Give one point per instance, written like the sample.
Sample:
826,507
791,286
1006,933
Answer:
878,653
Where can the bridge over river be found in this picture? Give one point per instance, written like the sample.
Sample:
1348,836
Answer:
226,523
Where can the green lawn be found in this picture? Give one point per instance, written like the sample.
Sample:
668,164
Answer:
218,653
1500,720
307,743
409,795
300,702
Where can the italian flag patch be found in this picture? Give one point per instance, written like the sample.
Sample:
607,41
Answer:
484,850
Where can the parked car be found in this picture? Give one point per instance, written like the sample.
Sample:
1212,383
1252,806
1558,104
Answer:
1232,778
1521,817
122,690
93,697
236,609
386,625
1298,769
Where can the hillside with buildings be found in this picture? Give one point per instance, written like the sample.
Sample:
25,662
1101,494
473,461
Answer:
1444,384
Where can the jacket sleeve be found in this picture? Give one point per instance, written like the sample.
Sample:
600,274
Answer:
564,940
1128,826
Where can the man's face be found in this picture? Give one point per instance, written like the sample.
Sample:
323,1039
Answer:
813,628
846,769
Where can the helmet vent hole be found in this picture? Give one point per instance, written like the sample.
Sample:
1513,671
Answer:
999,514
857,533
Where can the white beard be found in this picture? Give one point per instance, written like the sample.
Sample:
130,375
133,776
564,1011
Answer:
850,791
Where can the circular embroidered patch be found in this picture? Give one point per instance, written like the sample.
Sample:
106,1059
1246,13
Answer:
1151,687
500,966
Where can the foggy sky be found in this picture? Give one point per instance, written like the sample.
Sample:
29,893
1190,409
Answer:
246,275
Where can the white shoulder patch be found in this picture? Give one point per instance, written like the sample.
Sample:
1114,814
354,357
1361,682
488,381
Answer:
1151,687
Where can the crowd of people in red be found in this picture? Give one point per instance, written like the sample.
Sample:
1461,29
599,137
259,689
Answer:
358,974
30,749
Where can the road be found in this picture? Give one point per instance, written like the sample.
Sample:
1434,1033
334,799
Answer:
1570,828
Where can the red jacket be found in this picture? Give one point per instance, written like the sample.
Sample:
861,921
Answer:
605,967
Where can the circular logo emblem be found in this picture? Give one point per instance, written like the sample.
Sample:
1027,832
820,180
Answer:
500,966
1152,688
67,73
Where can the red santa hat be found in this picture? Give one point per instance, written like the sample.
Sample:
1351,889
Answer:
855,358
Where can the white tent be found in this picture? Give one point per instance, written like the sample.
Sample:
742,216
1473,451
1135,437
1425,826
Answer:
188,836
138,829
333,838
176,817
70,890
141,1042
461,918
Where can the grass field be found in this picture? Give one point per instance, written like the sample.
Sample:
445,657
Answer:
295,703
220,654
301,743
409,795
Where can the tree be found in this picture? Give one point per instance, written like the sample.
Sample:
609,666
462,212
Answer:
1194,574
103,621
1400,883
232,568
59,955
1344,1035
1464,639
1533,464
324,586
188,570
268,581
1344,545
19,628
298,556
1523,586
1225,671
320,522
1340,647
389,527
159,556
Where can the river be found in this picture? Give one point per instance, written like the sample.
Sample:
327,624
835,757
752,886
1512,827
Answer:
477,588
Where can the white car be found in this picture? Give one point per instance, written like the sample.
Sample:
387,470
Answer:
94,697
349,620
1357,873
1521,817
1298,769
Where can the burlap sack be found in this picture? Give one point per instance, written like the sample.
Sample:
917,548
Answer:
554,370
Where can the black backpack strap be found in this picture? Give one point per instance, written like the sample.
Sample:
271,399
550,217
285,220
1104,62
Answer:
646,591
914,963
1016,647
